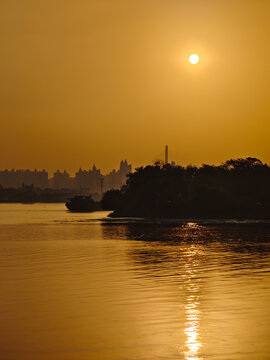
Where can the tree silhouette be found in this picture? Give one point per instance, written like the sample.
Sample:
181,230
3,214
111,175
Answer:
238,188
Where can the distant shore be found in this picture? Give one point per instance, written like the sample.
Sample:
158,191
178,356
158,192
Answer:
31,195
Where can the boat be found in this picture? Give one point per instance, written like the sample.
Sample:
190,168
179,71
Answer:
81,204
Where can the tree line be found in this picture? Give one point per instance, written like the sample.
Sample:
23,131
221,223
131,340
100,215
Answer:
238,188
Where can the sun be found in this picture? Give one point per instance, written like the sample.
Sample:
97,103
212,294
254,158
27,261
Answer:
194,59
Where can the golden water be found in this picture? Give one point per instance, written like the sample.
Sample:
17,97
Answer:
77,287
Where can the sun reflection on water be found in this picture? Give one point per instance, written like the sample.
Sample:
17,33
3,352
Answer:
192,346
192,327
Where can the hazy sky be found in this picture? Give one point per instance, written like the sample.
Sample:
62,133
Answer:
85,81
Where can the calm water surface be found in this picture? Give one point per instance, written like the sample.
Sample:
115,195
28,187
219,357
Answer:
74,286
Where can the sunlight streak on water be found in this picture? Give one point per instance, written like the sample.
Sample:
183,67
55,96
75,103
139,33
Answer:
192,327
193,344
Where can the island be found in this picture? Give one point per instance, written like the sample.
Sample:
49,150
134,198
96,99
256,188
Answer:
238,188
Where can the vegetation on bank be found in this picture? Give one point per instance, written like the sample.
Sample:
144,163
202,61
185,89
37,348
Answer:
239,188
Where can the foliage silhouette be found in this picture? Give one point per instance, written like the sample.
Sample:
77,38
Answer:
239,188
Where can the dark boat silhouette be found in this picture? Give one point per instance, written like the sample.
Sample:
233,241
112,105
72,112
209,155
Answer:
81,204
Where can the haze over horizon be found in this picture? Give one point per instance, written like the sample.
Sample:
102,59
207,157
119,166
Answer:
100,81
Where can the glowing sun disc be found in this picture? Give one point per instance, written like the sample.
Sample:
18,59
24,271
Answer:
194,59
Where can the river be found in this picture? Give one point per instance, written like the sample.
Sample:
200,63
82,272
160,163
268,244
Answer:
81,286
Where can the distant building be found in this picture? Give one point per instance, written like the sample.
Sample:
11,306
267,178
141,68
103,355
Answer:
62,180
88,179
18,178
116,179
91,181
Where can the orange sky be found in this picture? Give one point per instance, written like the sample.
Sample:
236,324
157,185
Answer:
100,80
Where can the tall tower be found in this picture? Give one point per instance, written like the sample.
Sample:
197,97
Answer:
166,154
